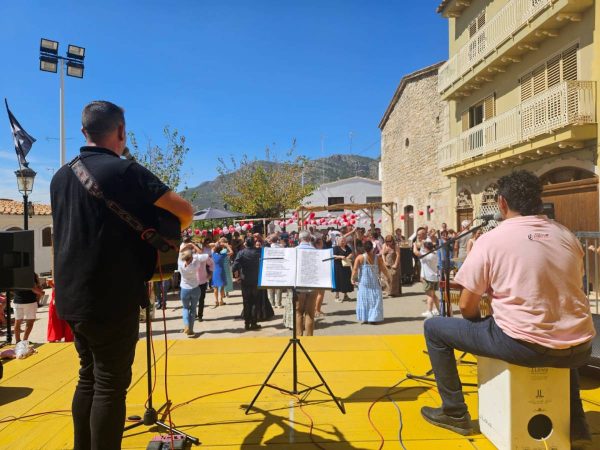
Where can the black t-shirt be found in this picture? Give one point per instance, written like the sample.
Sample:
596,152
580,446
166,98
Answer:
23,296
100,262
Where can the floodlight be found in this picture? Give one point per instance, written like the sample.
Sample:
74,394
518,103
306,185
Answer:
48,46
75,52
74,69
48,64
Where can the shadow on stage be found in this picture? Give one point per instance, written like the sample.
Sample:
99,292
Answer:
9,394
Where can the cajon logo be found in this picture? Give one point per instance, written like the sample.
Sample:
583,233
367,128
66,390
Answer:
538,236
539,370
539,394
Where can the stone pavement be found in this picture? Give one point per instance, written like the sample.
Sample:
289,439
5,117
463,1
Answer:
402,316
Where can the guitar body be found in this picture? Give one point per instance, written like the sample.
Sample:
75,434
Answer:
169,228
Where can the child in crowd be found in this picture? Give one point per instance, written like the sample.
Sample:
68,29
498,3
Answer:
430,278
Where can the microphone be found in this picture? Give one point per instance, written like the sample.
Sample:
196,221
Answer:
127,154
487,217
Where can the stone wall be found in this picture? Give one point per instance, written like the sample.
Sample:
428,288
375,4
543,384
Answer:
410,138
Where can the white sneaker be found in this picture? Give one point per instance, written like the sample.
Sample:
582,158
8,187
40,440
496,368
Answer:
436,312
427,314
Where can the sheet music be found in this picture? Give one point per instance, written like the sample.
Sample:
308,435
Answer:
312,271
278,267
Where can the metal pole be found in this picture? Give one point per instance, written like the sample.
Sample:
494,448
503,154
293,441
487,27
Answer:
63,151
25,212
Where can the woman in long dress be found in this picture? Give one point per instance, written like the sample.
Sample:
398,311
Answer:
391,258
228,274
342,269
369,302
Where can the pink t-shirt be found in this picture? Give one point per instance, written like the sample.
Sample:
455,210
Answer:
532,267
205,261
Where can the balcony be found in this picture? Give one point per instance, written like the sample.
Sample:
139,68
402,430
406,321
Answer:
504,28
565,104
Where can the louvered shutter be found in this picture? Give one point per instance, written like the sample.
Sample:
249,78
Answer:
465,120
539,80
553,71
526,87
489,107
472,28
569,64
481,21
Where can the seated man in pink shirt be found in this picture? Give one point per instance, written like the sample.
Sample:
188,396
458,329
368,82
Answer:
532,269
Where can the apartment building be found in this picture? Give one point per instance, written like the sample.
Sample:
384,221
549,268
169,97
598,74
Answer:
521,83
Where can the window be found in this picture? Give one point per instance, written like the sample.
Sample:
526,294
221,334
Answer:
559,68
406,143
335,201
478,113
477,46
373,199
47,237
477,24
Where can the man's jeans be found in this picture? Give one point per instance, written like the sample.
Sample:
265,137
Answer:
189,299
485,338
106,352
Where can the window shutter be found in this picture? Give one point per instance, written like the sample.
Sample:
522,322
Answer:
472,28
526,87
539,80
553,71
569,64
489,107
481,21
465,120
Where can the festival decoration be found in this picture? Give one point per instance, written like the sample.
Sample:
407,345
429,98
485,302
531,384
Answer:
196,232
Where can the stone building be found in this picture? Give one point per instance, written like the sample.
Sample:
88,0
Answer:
412,128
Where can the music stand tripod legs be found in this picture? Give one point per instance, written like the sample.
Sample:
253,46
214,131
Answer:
151,415
294,343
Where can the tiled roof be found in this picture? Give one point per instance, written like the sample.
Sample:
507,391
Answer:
13,207
442,5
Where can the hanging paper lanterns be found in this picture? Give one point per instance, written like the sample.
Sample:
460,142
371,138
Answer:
411,215
225,231
421,212
242,223
238,228
401,216
196,232
204,233
430,210
244,227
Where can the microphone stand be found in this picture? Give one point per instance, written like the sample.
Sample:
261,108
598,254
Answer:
446,304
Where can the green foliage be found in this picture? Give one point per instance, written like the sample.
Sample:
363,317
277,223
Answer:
166,163
265,188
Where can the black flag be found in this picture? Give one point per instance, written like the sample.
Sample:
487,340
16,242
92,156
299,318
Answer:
23,141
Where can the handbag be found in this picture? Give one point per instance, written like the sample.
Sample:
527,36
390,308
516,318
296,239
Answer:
164,238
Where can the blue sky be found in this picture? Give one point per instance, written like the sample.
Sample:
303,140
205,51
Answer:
232,76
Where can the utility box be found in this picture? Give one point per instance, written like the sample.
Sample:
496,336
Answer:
520,407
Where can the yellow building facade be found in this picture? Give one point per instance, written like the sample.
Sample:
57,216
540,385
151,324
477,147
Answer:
521,86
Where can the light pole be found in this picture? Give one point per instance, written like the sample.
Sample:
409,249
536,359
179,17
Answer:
49,63
25,179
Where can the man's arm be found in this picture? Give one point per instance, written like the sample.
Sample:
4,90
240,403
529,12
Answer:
469,304
178,206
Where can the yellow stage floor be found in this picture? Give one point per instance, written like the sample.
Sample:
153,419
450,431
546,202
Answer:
359,370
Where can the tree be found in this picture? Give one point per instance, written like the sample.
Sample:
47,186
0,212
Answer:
165,163
264,188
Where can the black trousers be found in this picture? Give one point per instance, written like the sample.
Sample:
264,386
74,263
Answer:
201,300
106,352
250,297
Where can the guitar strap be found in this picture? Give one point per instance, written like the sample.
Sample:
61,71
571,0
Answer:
150,235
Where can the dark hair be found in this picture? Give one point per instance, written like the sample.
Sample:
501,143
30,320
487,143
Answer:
368,246
522,191
100,117
187,240
249,242
428,245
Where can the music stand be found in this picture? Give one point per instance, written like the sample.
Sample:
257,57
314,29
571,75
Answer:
294,343
151,415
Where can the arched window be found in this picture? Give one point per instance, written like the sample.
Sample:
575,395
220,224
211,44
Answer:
14,229
565,174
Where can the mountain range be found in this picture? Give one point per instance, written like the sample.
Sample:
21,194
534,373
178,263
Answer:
319,171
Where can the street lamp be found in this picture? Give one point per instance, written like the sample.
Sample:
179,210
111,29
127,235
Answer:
25,179
49,60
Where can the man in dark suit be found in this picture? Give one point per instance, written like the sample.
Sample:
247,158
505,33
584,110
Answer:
246,266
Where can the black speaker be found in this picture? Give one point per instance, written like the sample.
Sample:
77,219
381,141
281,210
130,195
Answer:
16,260
406,265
